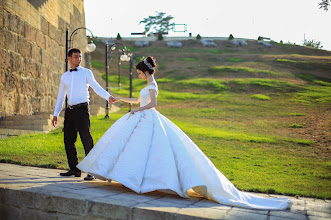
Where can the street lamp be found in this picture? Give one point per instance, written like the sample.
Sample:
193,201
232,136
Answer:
120,52
90,45
129,57
122,57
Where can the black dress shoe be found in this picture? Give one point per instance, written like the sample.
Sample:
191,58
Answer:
71,173
89,177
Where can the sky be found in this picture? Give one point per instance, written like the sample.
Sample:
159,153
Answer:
287,20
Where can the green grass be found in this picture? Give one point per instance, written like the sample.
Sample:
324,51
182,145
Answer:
234,59
234,69
97,64
188,59
312,94
214,51
313,79
295,126
297,114
260,97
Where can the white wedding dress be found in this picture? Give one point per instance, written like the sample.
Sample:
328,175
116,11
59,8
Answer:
147,152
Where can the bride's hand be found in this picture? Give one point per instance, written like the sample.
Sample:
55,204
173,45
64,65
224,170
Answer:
117,99
134,111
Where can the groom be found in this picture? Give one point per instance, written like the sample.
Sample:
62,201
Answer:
74,84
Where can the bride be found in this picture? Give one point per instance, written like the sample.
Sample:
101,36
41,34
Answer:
145,151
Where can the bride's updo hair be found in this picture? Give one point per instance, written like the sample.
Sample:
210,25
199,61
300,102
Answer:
147,65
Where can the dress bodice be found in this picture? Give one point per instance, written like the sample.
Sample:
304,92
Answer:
144,94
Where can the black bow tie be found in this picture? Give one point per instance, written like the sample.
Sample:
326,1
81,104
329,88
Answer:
73,69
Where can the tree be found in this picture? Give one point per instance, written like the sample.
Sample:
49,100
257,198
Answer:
198,37
159,36
312,43
158,23
118,36
324,4
231,37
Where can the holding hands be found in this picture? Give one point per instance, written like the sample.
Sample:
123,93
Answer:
112,99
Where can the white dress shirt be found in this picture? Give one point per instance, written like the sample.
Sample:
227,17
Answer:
75,85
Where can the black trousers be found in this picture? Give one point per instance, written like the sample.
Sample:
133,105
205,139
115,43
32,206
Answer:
77,120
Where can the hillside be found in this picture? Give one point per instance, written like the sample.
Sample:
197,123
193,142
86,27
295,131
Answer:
293,65
247,108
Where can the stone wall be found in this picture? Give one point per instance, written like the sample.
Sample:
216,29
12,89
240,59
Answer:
32,51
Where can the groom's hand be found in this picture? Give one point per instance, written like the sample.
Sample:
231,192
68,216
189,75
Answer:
54,121
112,99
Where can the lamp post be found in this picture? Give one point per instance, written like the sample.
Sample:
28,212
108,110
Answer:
121,57
109,48
90,47
129,57
108,53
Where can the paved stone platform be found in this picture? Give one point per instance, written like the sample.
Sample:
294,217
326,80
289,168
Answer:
39,193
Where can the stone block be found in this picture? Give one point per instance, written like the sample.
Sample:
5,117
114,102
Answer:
21,27
16,62
59,37
2,77
236,214
321,207
35,104
107,208
2,38
30,32
26,213
23,106
11,81
52,31
24,47
13,23
67,203
9,212
39,88
1,16
148,211
287,215
10,40
27,86
44,25
4,59
25,199
48,44
40,39
35,52
42,72
31,67
5,20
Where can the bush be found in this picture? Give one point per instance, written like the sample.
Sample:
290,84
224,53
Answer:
198,37
118,36
231,37
312,43
159,37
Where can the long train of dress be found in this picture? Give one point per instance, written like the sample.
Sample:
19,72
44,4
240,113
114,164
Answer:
147,152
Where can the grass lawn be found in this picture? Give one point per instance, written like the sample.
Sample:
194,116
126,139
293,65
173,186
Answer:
246,138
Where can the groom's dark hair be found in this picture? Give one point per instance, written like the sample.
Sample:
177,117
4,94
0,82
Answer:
73,50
